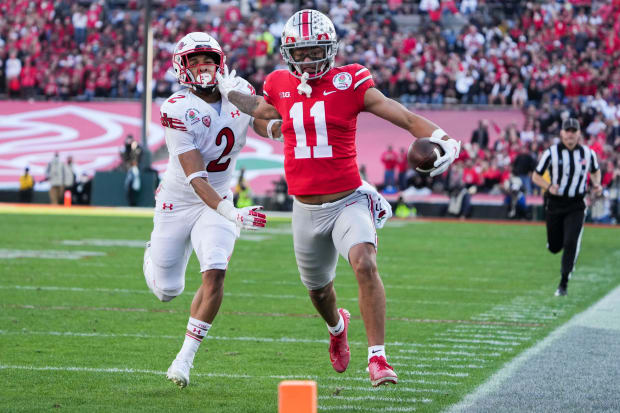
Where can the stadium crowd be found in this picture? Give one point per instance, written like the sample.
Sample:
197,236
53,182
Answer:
551,59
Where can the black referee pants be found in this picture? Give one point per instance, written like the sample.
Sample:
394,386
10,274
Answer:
565,219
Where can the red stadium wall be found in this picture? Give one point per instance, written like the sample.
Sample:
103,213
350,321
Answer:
93,134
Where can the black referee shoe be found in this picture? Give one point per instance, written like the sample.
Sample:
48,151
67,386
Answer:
561,291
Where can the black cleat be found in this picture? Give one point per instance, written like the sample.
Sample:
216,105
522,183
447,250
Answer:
561,291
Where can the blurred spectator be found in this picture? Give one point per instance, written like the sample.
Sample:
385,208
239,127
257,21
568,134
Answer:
69,175
514,199
132,183
389,159
13,70
26,186
82,190
600,209
403,210
480,135
282,199
403,167
58,174
523,166
130,151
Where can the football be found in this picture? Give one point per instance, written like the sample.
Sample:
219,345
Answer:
422,155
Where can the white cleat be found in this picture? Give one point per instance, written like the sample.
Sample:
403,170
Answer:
178,372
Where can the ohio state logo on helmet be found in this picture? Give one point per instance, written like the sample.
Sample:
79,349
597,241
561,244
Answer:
309,28
196,42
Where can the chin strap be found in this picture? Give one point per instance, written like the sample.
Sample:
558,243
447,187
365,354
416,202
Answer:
304,87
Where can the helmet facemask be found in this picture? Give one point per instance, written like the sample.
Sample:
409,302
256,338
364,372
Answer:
204,80
309,28
321,64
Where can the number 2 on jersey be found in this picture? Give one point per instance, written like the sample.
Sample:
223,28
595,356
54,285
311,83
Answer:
322,148
216,166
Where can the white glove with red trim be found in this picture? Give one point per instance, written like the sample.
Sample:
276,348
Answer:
245,218
227,82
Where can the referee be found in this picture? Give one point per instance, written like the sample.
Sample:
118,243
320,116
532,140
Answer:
569,163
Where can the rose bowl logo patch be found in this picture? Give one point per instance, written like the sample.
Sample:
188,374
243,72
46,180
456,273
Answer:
342,80
191,116
206,120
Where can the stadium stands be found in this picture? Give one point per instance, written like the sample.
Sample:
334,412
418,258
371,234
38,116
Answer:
548,59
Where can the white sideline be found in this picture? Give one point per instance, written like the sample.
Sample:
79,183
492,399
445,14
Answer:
602,314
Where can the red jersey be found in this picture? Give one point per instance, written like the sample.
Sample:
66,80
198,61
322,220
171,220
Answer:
319,132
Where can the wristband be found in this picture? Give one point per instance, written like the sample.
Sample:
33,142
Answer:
199,174
438,133
227,210
270,125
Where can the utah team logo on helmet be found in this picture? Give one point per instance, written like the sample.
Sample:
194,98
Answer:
196,42
309,28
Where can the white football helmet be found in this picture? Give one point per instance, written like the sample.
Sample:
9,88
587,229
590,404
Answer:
196,42
308,28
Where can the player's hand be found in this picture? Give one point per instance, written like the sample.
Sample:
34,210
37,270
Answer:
227,82
553,189
451,149
245,218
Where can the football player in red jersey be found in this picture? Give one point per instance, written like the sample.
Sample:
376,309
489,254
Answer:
318,106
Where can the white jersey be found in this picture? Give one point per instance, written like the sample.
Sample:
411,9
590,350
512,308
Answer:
191,123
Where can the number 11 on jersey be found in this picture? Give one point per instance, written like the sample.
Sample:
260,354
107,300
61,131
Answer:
322,148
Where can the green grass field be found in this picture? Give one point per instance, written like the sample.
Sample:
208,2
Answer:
86,334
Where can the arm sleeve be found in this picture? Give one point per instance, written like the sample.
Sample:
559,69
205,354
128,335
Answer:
178,141
362,81
594,162
543,164
267,92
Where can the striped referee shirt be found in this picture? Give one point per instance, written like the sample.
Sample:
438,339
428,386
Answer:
568,169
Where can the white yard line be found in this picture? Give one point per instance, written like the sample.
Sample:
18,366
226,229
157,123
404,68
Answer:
376,398
367,409
234,376
227,294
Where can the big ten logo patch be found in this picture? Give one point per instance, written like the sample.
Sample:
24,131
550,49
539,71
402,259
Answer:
192,116
285,94
342,80
206,120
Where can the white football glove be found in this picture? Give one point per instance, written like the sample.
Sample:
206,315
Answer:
451,149
227,82
245,218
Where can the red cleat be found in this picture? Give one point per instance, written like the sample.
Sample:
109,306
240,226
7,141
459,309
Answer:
381,372
339,353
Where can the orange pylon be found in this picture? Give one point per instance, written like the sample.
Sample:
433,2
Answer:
297,396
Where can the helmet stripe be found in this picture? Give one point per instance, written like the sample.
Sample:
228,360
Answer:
305,23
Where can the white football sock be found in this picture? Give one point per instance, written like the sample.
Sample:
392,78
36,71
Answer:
376,351
192,341
338,328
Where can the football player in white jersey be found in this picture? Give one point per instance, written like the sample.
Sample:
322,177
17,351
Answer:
194,209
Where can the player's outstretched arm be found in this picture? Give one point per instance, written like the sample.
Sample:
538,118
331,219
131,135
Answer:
197,176
269,128
253,105
378,104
